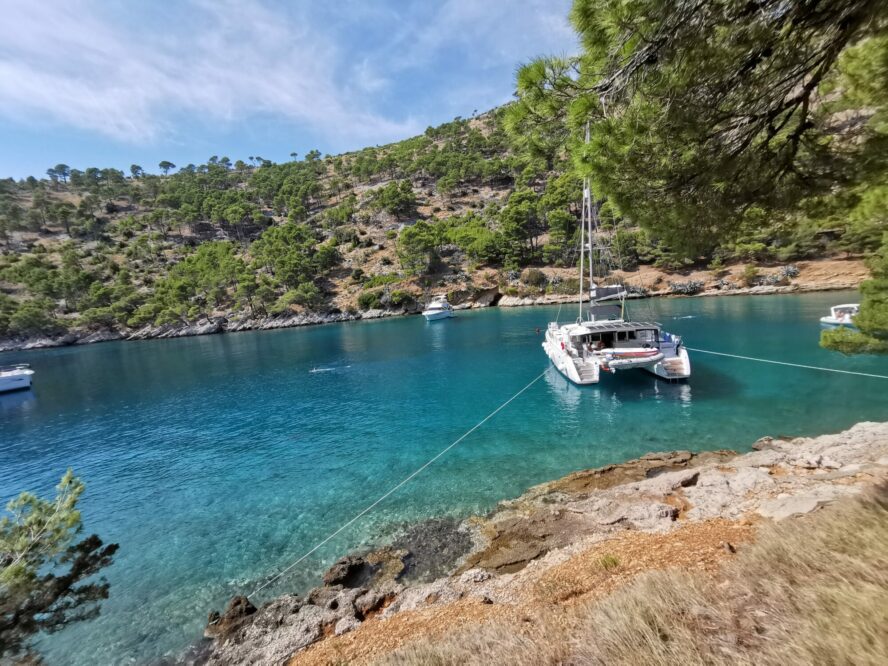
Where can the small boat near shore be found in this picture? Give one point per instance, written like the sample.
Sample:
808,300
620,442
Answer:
439,308
841,315
15,377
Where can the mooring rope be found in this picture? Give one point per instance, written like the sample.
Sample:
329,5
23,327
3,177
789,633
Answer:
794,365
395,488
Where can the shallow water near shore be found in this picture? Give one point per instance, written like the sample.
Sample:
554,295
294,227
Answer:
215,461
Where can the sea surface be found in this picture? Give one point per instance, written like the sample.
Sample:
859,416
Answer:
216,461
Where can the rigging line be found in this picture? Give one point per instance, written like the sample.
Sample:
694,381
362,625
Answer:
794,365
392,490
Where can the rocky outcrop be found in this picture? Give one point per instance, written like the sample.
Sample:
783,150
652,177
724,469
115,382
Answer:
226,624
542,299
505,554
350,571
202,327
271,634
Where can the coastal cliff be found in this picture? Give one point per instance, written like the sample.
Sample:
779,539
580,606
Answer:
578,538
819,275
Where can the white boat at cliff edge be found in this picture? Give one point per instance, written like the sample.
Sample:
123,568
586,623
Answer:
15,377
439,308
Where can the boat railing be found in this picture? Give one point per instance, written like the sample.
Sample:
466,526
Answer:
17,366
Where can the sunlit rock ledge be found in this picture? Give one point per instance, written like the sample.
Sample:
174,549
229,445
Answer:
501,559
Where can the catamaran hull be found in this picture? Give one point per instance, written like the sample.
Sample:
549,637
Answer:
564,363
672,367
588,371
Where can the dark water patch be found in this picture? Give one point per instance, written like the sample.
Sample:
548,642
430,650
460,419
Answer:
434,547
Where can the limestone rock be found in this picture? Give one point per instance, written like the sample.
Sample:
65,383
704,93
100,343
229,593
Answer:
786,507
475,576
346,625
350,571
368,602
237,612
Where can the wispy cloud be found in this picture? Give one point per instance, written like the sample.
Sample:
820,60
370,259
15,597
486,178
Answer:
131,72
226,61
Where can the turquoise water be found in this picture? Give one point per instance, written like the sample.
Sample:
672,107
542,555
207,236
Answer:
216,460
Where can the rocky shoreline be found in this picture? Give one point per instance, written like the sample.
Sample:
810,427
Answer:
483,299
448,573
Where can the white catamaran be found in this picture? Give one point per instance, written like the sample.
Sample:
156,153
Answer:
602,339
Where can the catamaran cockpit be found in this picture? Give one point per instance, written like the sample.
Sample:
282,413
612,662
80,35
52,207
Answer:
596,336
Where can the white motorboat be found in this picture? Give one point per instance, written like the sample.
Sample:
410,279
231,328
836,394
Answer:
15,377
439,308
841,315
602,339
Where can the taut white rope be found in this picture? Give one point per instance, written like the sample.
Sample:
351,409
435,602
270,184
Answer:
406,480
794,365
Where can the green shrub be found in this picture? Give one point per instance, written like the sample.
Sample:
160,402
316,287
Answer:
750,276
369,300
534,277
306,294
381,280
847,341
568,286
34,317
97,317
400,298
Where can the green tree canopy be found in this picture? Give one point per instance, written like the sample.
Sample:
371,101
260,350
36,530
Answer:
43,567
686,132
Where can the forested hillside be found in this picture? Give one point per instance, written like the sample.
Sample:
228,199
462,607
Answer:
470,205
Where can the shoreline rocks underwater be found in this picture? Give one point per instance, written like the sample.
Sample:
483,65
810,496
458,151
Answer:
500,560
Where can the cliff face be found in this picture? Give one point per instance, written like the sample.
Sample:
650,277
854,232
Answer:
579,537
478,291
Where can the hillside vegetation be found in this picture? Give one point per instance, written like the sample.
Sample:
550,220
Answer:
473,204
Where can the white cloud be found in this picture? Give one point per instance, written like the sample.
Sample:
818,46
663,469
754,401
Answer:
129,71
228,61
501,32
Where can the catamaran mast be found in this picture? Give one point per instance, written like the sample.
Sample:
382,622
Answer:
582,248
586,233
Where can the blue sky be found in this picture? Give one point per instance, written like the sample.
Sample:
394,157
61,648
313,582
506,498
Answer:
112,83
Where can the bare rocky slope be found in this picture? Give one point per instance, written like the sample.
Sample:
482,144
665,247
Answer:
585,534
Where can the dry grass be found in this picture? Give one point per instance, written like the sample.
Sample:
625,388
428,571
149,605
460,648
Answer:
811,591
542,606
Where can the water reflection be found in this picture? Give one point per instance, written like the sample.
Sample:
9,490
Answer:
17,401
615,390
437,333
